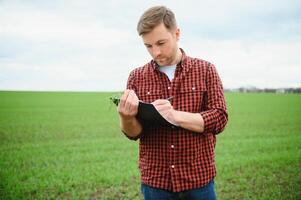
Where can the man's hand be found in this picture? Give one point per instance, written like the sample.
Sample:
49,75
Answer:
128,106
164,107
128,109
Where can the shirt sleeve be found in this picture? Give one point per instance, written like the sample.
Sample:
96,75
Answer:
131,81
216,116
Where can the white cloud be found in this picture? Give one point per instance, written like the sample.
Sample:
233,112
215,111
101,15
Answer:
40,26
80,45
257,64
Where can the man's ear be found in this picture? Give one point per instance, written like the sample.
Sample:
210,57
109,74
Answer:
178,34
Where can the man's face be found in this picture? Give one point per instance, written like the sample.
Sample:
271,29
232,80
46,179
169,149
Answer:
161,43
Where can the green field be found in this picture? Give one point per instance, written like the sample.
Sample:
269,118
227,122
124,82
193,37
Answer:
67,145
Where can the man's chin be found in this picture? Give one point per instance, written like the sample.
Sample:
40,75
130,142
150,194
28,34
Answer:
162,63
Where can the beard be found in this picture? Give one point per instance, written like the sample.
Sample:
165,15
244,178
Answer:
165,61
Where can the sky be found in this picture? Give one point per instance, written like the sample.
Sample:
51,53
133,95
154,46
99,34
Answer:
93,45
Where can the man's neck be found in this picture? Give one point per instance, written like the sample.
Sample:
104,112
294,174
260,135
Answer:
178,57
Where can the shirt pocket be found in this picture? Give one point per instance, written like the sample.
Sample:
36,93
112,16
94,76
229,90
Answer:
192,98
149,94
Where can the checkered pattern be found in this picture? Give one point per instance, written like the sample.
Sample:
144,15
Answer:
173,158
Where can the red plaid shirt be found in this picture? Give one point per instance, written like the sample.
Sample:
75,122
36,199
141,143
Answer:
173,158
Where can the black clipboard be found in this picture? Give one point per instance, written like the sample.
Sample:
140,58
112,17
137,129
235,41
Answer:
147,113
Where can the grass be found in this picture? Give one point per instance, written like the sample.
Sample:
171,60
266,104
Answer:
259,154
67,145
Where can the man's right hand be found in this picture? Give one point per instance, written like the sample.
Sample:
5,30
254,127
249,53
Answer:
128,105
128,109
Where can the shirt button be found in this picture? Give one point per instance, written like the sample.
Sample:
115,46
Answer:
168,87
172,146
193,88
173,127
173,166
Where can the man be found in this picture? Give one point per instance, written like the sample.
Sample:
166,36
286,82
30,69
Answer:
176,161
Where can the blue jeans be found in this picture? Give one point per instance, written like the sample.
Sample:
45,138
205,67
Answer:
204,193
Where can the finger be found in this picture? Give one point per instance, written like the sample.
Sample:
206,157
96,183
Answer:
123,98
135,104
160,102
128,105
132,102
162,108
134,98
125,95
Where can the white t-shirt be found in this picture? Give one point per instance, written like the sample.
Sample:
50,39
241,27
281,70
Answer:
169,71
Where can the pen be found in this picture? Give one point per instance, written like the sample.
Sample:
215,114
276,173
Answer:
169,98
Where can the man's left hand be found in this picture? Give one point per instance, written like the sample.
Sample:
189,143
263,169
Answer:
166,110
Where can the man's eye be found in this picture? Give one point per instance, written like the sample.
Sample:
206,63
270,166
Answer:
161,43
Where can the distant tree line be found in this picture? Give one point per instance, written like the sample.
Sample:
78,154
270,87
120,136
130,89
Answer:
264,90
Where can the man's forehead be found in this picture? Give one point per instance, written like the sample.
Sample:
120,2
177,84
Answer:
155,38
154,41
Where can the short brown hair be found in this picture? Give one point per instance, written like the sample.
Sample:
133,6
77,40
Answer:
155,16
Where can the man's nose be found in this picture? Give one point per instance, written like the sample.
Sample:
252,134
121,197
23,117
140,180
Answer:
156,51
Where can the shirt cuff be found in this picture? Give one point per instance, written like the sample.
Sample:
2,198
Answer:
209,118
131,138
214,121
